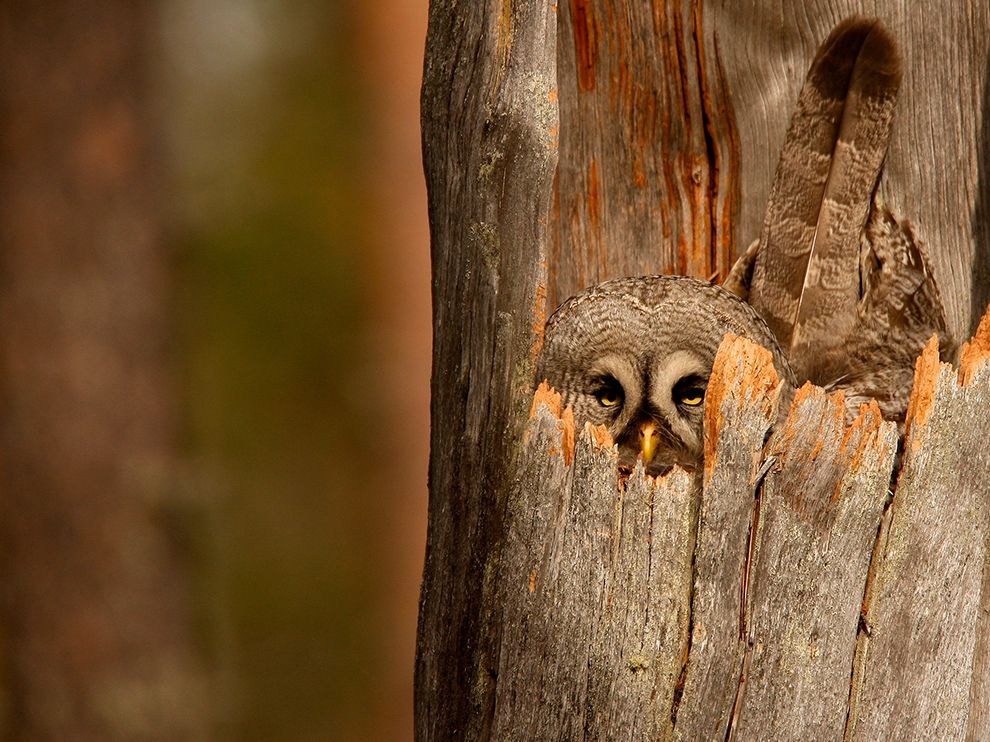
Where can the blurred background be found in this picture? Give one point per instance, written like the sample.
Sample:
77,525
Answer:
214,368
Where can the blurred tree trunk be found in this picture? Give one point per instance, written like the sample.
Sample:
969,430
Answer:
669,120
95,627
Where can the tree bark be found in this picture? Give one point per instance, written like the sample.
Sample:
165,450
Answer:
96,633
672,116
490,138
648,175
624,616
558,605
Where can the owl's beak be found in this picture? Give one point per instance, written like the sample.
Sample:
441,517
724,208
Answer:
648,441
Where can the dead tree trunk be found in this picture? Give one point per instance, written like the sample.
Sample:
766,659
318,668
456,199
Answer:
557,605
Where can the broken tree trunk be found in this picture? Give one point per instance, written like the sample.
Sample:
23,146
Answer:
765,606
557,604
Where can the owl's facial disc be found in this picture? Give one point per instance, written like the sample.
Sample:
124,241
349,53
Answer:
677,389
666,428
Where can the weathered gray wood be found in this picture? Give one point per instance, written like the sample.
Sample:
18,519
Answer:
489,135
595,589
596,578
819,509
642,633
738,412
924,610
537,620
973,359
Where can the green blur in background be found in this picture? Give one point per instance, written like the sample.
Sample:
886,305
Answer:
268,128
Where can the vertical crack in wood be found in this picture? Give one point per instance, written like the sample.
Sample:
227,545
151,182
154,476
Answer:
488,117
739,407
718,125
748,567
681,67
864,630
648,176
919,671
818,514
737,702
744,623
689,639
649,564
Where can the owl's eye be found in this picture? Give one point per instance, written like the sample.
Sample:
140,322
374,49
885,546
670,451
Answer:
689,391
609,393
608,398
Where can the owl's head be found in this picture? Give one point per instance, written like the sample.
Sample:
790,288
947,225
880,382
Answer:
635,355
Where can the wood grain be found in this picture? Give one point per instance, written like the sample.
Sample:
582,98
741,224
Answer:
939,147
647,176
637,610
490,149
924,609
595,591
537,620
819,509
681,92
739,409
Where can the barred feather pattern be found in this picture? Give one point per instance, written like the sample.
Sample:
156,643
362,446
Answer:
845,286
899,310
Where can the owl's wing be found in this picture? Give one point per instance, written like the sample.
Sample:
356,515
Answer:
741,275
899,311
804,277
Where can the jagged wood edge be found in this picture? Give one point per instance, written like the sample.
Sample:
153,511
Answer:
923,665
611,677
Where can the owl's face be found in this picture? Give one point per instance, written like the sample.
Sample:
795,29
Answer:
635,356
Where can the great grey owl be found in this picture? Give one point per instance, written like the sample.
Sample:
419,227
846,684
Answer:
635,354
838,289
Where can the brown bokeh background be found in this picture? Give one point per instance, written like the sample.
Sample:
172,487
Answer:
289,284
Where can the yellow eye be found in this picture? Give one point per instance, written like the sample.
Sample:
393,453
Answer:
608,391
690,394
608,397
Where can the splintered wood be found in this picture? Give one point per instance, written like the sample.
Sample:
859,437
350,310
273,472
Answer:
756,601
925,658
595,591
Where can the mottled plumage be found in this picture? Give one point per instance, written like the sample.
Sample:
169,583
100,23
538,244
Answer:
838,289
845,285
635,354
805,274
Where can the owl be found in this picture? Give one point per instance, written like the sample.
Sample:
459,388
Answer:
837,287
635,354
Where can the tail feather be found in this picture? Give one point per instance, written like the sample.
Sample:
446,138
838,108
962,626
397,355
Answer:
805,278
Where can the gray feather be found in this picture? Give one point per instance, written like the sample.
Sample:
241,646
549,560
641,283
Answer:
805,274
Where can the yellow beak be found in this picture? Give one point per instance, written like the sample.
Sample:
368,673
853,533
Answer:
648,441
